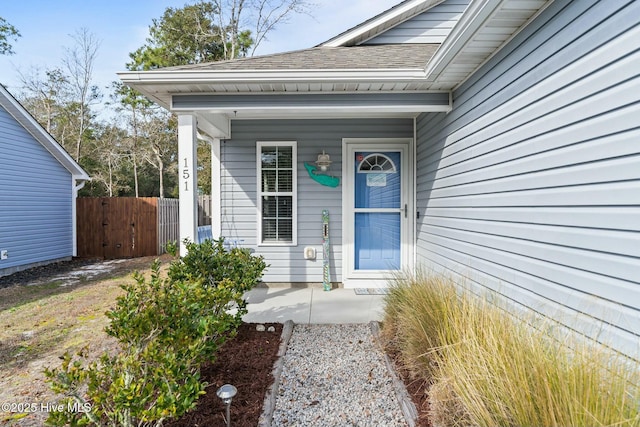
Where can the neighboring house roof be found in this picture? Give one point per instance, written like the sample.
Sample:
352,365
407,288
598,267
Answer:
26,120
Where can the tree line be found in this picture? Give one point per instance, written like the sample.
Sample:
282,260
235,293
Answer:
129,148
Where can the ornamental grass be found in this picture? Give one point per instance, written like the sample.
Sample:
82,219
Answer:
486,367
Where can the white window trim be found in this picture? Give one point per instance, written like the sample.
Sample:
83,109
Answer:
294,213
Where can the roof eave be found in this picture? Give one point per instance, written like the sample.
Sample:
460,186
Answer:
29,123
173,80
243,76
472,19
379,23
478,15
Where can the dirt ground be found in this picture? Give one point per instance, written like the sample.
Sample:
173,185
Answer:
52,309
60,307
49,310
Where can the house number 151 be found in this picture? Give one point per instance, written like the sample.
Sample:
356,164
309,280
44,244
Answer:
186,174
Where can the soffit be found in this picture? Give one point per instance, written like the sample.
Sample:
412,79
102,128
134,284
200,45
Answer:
488,26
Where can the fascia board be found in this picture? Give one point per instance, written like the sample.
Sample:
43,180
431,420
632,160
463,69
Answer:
266,76
373,24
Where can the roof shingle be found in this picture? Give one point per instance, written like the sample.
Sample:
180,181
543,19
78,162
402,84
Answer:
400,56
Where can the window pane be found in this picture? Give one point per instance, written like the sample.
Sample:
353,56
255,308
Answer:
285,206
284,157
285,230
269,157
285,181
269,206
269,230
268,181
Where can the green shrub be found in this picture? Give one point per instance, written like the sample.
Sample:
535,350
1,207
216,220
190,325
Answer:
489,368
128,389
210,262
185,317
166,329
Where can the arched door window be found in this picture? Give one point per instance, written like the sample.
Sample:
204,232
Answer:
377,163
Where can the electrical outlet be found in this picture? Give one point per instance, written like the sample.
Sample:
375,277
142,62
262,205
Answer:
4,254
310,253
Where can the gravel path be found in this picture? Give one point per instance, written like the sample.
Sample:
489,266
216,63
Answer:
335,375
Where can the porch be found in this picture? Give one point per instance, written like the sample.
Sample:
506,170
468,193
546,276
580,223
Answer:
237,214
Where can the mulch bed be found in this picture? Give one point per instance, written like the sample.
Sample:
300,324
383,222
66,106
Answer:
246,362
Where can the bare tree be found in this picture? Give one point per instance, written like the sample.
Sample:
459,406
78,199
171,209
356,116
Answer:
269,13
160,131
261,16
79,62
45,96
133,145
110,154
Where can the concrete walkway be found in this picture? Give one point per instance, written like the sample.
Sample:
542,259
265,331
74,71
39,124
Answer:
312,305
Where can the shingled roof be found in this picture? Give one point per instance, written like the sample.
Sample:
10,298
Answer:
400,56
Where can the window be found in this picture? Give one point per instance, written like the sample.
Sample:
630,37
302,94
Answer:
277,200
377,163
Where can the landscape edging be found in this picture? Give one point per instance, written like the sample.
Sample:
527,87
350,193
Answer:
406,404
270,398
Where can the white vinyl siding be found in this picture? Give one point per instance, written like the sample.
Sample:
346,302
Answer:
277,195
530,187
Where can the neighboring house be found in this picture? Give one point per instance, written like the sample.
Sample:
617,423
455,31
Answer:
495,140
39,182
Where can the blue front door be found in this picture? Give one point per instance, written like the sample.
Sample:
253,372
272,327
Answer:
378,210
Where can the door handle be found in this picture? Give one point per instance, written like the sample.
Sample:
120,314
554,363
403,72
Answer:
405,210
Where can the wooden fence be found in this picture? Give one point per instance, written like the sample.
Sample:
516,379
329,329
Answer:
125,227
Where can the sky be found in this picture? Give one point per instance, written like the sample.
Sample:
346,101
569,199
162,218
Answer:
122,26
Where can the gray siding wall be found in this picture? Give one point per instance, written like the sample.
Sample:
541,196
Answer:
432,26
35,200
238,182
531,185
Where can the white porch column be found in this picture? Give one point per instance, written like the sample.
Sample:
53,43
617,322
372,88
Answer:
188,178
216,189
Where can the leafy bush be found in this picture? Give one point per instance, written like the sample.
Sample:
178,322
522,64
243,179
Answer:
166,328
211,262
488,368
128,389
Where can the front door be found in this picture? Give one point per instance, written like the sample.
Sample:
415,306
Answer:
378,199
